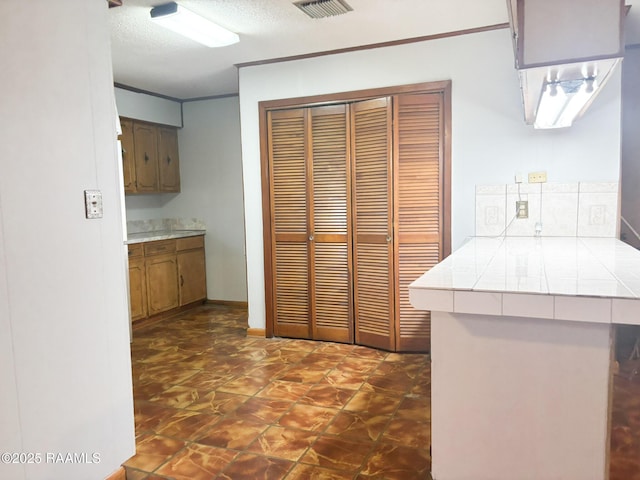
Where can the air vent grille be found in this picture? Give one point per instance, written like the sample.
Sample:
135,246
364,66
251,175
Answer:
323,8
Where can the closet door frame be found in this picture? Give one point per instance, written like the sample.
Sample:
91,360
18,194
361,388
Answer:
443,87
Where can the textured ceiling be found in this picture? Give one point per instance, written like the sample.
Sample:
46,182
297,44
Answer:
148,57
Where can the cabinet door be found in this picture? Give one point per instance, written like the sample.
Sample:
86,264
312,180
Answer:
168,161
418,200
162,282
146,154
372,212
192,276
128,156
137,288
329,223
289,230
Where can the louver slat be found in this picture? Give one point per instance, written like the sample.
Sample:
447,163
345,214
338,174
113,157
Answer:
330,249
373,294
418,203
289,223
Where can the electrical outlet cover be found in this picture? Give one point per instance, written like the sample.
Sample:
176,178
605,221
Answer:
93,203
537,177
522,209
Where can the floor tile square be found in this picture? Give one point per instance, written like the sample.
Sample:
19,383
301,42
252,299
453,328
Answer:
280,442
197,462
332,452
308,417
253,467
152,451
233,433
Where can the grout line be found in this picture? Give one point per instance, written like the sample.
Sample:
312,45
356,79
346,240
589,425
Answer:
349,354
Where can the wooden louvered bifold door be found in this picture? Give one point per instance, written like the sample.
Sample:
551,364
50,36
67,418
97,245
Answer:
330,244
418,196
289,212
372,213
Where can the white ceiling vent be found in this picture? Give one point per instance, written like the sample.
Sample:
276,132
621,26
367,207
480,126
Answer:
323,8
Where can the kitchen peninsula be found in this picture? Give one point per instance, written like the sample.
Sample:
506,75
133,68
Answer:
521,345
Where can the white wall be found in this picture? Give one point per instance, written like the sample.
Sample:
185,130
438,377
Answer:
64,337
211,190
630,179
148,107
490,140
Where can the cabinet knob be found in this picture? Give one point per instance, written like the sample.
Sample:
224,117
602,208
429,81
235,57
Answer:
168,159
181,280
311,237
146,157
388,238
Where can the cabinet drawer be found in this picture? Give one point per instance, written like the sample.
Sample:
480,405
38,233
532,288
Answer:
189,243
162,246
135,250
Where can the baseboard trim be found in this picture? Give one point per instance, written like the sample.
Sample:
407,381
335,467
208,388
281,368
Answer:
256,332
229,303
119,474
153,319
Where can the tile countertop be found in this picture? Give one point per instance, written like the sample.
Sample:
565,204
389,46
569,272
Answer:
564,278
161,235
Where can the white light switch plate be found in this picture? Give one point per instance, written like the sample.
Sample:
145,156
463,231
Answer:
93,203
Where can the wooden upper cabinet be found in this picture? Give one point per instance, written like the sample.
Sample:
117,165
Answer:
128,156
146,154
150,157
168,161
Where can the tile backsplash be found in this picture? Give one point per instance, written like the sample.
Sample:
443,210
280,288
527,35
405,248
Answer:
582,209
164,224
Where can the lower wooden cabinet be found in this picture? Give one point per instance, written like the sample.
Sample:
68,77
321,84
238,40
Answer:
162,283
191,270
137,283
165,275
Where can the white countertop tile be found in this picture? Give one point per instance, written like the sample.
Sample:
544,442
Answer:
596,268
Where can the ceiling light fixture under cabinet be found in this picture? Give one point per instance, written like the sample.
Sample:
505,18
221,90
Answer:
184,22
563,101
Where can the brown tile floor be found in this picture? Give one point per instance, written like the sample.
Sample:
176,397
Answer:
213,404
625,423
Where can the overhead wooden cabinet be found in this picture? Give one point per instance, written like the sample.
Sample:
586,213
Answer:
128,156
355,211
168,160
150,158
146,153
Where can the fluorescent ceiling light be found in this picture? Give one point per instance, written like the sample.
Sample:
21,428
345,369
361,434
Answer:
562,101
186,23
